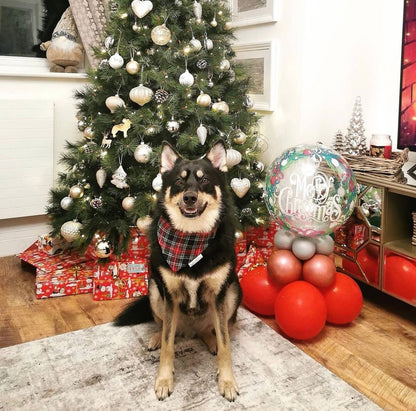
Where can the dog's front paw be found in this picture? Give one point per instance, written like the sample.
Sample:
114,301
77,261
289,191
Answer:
228,387
163,387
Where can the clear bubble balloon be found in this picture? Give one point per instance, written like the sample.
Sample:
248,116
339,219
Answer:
310,190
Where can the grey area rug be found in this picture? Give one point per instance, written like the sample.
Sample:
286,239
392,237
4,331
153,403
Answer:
109,368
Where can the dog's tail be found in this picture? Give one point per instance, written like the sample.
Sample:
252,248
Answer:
137,312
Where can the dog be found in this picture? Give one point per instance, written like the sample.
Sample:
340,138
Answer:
124,126
193,291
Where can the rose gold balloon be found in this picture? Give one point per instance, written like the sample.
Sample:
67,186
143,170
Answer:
283,267
319,270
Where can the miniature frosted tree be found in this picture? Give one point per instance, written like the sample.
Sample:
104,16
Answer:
339,143
167,73
355,141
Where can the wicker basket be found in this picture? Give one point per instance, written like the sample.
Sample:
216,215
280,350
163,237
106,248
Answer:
384,167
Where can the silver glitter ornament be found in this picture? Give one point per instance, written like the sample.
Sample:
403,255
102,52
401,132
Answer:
103,248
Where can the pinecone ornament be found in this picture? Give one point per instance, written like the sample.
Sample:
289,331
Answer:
161,96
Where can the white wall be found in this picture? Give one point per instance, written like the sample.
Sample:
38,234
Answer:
18,81
329,52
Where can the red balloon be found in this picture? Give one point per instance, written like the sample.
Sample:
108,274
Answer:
319,270
400,277
283,267
300,310
259,294
368,262
343,299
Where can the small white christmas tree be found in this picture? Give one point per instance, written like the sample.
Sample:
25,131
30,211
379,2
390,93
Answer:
355,141
339,143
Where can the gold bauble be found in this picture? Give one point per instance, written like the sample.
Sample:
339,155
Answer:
71,230
141,94
88,133
160,35
203,100
132,67
128,203
228,25
220,107
240,137
225,65
103,248
76,191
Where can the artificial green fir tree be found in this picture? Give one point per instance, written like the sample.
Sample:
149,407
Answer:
167,73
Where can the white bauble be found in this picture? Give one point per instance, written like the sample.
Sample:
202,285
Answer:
186,79
160,35
240,186
141,94
71,230
324,244
128,203
116,61
141,8
233,157
143,223
157,182
202,132
66,202
132,67
225,65
195,44
113,102
142,153
208,43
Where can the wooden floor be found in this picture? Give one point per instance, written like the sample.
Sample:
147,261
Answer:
376,354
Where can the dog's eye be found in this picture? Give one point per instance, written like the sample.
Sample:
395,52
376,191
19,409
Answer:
204,180
179,181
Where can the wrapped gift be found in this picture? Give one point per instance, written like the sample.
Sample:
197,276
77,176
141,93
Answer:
255,257
262,236
52,245
123,278
41,260
357,234
240,249
139,246
77,279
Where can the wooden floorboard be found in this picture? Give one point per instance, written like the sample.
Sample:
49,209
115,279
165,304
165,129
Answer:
376,354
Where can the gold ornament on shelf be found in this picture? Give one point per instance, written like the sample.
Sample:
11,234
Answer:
141,94
128,203
132,67
141,8
101,176
160,35
221,107
203,100
114,102
76,191
71,230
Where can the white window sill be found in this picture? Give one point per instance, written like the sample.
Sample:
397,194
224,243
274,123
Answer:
32,67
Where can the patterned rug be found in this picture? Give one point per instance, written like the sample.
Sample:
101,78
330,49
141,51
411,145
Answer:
109,368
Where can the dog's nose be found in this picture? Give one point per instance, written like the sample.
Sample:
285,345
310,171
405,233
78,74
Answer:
190,198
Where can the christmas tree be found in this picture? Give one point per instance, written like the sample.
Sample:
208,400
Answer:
167,73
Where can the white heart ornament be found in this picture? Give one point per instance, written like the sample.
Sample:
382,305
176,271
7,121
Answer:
141,8
240,186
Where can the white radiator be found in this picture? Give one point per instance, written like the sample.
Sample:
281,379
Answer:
26,156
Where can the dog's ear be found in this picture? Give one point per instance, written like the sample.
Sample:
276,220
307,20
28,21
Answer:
168,157
218,156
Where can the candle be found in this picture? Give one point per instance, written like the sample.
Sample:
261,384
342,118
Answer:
380,145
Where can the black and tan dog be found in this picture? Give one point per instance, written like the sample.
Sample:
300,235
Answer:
193,287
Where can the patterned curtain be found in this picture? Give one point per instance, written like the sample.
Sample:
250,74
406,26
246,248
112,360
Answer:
90,17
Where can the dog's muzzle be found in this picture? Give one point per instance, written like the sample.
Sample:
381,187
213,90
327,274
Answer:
191,205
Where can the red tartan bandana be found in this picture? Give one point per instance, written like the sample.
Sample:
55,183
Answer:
179,248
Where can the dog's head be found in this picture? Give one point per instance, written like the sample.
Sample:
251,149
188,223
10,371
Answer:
193,190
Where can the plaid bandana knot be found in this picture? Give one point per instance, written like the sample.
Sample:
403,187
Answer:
180,248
